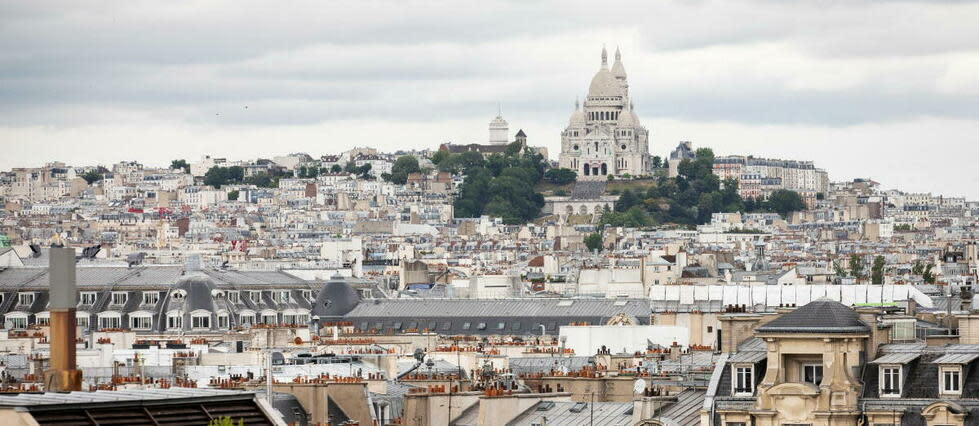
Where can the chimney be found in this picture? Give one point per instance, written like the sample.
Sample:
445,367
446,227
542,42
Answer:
63,376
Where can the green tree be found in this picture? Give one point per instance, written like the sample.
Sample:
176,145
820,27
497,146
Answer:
593,241
262,180
403,166
180,164
336,169
927,275
877,271
439,156
839,269
93,176
856,266
657,162
626,201
217,176
233,195
784,201
560,176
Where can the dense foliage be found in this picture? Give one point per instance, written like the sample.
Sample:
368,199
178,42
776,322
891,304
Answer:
218,176
403,166
692,197
93,176
593,241
180,164
500,185
560,176
363,172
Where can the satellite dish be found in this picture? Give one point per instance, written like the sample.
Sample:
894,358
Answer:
639,386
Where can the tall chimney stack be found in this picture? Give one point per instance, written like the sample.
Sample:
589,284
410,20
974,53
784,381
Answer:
63,376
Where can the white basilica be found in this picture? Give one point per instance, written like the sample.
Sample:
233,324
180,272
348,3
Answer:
604,136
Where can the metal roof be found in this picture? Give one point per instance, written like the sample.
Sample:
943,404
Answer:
956,358
560,413
897,358
748,356
55,398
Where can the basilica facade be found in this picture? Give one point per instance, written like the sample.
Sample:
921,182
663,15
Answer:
604,136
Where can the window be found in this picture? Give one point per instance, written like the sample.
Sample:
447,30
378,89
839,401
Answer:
175,321
201,321
890,381
501,326
812,373
466,325
397,325
119,298
255,296
151,297
233,297
481,326
110,322
307,294
223,321
247,319
743,380
17,322
25,298
710,329
446,325
43,320
83,321
141,323
951,381
88,297
734,424
269,319
282,296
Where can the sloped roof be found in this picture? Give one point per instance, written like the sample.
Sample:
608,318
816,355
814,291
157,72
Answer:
820,316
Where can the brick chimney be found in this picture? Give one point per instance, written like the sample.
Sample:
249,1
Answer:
63,376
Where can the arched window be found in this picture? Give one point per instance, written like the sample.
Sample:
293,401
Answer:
587,169
604,169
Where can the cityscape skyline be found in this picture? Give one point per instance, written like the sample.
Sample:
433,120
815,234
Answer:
775,86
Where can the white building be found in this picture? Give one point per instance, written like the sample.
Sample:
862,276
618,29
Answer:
605,137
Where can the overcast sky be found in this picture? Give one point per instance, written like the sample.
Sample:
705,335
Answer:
886,90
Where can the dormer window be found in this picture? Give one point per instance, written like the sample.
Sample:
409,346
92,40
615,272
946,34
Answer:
25,298
743,380
233,297
255,296
890,381
151,297
281,296
87,297
951,380
119,298
307,294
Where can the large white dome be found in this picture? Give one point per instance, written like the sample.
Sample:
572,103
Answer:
604,84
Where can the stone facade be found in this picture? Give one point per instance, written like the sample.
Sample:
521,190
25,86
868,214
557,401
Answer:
604,136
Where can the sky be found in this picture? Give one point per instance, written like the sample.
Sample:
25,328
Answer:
887,90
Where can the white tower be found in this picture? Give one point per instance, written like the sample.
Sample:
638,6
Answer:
499,129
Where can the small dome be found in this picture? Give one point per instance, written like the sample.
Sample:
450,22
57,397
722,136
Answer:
604,84
196,289
335,299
